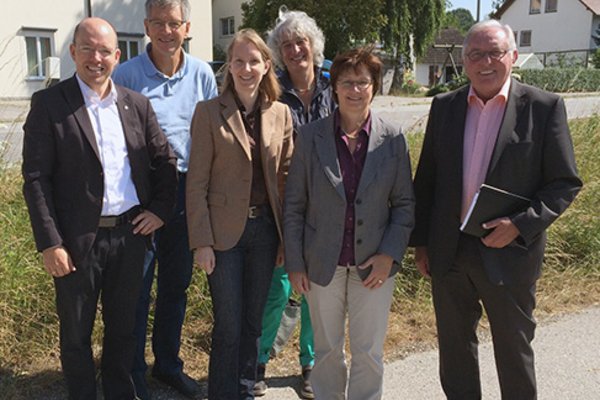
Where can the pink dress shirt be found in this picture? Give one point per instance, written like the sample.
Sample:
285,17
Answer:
481,131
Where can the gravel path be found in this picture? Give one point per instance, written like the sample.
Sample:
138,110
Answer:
567,352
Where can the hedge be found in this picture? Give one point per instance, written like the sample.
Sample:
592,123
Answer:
562,80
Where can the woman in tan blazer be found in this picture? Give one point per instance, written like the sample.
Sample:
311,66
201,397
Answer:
241,149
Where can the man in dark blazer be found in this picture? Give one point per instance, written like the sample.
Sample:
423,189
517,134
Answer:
514,137
99,179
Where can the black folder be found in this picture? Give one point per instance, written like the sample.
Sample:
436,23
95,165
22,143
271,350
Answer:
490,203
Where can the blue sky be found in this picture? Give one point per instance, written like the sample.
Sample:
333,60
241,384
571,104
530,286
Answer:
471,5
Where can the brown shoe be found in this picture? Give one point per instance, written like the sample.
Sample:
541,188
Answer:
306,391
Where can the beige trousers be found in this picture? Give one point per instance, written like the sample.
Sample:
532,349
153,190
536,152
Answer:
367,311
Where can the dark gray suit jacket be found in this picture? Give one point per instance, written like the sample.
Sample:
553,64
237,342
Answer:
533,157
63,175
315,201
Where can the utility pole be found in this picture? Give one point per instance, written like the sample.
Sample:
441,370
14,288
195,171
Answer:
478,9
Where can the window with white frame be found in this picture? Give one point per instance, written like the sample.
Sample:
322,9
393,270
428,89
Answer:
129,46
551,6
39,45
227,26
525,39
535,6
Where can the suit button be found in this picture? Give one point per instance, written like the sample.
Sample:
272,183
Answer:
359,222
358,201
358,241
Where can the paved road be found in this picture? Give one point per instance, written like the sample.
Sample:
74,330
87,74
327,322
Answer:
567,364
410,113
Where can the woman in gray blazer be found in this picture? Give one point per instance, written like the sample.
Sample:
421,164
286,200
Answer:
348,214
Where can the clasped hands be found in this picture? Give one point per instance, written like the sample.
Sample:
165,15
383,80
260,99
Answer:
381,266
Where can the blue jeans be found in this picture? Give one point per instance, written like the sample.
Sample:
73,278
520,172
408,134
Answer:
238,287
174,274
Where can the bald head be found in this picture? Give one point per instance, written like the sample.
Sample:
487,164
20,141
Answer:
94,25
96,53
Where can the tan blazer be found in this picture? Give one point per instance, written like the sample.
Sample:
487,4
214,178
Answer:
219,178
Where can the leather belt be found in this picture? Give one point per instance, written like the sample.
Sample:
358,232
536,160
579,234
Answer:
114,221
258,211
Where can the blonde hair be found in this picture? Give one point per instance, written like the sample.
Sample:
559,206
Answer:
269,85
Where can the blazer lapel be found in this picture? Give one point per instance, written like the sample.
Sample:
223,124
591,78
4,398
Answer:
514,106
74,98
327,153
267,127
127,120
233,118
456,134
374,157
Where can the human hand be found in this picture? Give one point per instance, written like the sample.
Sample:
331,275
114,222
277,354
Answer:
382,264
503,233
204,258
299,281
146,222
280,260
422,261
57,261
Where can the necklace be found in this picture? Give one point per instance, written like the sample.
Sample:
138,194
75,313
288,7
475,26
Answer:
353,136
308,89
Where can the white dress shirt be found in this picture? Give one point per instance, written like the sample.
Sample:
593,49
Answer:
119,191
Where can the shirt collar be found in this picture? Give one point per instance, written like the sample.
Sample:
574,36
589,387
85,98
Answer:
151,70
502,94
92,98
338,127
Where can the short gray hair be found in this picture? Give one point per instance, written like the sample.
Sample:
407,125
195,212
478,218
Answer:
490,23
184,4
300,24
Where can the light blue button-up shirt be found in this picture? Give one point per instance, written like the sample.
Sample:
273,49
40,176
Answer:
173,98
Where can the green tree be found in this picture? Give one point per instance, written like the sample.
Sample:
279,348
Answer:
399,25
345,24
460,18
411,26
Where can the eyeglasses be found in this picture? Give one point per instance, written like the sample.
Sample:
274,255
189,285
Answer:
159,24
103,51
494,55
361,85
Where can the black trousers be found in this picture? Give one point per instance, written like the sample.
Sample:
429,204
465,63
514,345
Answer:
112,271
457,298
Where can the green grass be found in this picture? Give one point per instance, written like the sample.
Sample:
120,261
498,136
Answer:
29,327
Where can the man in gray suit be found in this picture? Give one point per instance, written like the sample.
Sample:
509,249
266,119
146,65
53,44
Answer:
514,137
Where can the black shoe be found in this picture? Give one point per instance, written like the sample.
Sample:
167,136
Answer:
260,387
306,391
141,389
181,382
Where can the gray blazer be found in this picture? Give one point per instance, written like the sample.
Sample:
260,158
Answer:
315,202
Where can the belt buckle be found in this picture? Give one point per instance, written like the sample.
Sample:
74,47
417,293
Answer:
107,222
252,212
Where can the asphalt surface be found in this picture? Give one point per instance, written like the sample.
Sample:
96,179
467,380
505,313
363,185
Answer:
567,351
408,112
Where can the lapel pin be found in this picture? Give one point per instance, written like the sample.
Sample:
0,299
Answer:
126,107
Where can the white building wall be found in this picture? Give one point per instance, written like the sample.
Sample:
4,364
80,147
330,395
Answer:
567,29
422,74
59,18
225,9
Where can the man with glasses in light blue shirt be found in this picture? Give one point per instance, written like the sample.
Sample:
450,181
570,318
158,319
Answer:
174,82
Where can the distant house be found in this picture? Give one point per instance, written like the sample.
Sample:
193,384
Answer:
226,20
559,32
436,65
35,37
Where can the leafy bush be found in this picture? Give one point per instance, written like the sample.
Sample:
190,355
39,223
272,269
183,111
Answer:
461,80
563,80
